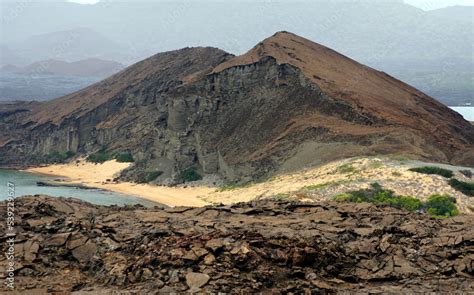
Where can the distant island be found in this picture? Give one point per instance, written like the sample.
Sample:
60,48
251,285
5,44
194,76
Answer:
91,67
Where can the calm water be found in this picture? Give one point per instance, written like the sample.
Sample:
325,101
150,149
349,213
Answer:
25,184
467,112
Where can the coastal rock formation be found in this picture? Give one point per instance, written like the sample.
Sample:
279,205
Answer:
66,245
285,104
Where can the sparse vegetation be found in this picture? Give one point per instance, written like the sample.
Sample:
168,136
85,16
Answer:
377,195
322,185
99,157
406,202
281,196
376,164
434,170
60,157
436,206
124,157
346,168
396,173
149,176
441,206
234,186
464,187
343,197
190,174
102,156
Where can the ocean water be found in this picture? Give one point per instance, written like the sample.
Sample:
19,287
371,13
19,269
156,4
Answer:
25,184
466,112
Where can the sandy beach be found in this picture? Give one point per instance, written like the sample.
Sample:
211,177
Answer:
99,176
312,184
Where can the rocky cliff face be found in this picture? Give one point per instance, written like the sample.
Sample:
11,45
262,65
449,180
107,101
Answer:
285,104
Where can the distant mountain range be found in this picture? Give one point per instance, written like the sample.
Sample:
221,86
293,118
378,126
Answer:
48,79
91,67
69,45
431,49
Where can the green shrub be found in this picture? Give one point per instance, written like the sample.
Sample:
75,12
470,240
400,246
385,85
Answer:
464,187
377,195
434,170
60,157
441,206
99,157
436,205
124,157
190,174
149,176
342,198
346,168
406,202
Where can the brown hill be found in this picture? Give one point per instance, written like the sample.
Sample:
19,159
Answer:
285,104
345,79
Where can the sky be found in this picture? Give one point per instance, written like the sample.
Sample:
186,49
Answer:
434,4
423,4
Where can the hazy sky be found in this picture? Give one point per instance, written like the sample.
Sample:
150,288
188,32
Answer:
424,4
433,4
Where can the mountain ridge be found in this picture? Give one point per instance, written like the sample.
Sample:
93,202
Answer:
312,67
355,28
205,108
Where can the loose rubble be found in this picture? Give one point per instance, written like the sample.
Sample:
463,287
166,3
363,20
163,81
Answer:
69,246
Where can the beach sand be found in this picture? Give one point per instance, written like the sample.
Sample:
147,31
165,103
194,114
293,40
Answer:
312,184
100,176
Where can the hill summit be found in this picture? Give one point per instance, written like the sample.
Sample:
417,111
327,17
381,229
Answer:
285,104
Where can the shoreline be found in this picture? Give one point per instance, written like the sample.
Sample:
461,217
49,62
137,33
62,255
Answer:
313,184
98,176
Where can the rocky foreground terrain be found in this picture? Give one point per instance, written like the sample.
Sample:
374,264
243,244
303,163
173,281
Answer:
66,245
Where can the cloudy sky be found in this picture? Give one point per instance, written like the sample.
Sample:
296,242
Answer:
424,4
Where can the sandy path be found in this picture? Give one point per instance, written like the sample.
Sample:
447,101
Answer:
96,175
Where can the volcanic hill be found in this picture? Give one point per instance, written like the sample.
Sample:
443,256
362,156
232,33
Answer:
285,104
